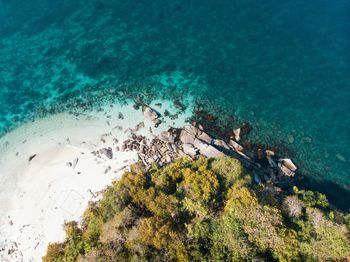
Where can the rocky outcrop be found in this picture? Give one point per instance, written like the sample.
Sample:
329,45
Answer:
193,141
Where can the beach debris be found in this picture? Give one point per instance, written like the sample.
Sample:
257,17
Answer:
152,115
31,157
69,164
237,133
287,167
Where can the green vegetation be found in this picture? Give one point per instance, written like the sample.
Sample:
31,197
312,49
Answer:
204,210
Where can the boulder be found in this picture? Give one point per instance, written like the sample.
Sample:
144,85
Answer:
189,149
151,114
108,152
235,146
237,133
211,151
193,130
221,143
205,138
269,156
186,137
287,167
166,136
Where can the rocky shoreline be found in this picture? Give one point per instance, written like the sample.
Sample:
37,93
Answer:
193,141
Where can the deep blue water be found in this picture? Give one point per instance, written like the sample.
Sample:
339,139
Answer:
282,65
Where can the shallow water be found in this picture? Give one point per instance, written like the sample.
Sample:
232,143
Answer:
281,65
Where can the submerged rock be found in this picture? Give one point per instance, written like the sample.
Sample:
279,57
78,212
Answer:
340,157
290,139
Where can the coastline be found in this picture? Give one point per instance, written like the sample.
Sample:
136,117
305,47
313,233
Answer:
64,161
53,167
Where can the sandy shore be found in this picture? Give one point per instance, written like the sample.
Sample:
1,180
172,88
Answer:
63,175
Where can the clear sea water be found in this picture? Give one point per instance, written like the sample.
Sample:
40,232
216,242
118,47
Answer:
284,66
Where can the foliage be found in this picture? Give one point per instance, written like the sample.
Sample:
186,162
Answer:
203,210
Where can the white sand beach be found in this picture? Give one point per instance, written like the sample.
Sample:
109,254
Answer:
63,175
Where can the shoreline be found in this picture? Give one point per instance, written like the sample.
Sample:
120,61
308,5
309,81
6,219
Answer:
64,155
53,167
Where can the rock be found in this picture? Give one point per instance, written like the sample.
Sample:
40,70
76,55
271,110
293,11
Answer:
256,178
205,137
235,146
237,133
287,167
166,136
340,157
290,139
186,137
120,116
108,152
189,149
211,151
192,130
139,126
221,143
151,114
269,156
31,157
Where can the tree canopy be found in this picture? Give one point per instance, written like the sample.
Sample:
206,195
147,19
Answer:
203,210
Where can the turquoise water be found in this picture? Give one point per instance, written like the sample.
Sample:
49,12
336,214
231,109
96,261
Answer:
284,66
